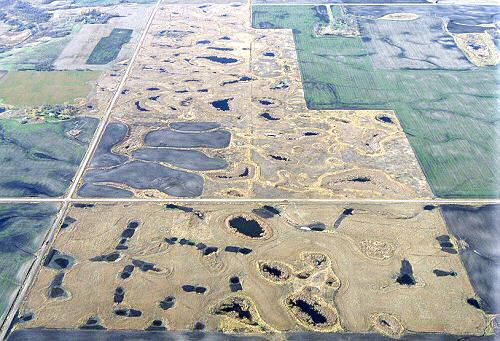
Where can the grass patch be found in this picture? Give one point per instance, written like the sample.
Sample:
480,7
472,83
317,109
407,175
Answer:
449,116
33,88
108,48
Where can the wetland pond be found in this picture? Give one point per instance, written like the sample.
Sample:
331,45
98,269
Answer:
249,227
220,60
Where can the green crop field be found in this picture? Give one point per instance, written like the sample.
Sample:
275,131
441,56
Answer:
22,227
33,88
108,48
449,116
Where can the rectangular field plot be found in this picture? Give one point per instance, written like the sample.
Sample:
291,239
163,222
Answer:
108,48
23,227
447,106
253,268
34,88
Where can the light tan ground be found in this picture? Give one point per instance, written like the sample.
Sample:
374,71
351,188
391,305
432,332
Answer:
304,154
354,281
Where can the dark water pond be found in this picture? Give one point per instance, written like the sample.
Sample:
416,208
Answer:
310,310
248,227
406,274
220,60
222,104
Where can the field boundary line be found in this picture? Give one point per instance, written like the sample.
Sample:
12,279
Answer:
257,200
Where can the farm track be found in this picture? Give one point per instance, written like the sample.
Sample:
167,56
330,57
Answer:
223,200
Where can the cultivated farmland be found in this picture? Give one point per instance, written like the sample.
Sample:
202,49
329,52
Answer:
447,114
33,88
108,48
40,159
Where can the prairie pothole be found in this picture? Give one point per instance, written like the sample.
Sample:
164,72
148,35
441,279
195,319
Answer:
376,249
384,119
316,259
275,271
247,226
332,282
311,312
237,307
387,324
406,276
93,323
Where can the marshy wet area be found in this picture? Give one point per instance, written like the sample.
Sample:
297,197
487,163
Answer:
275,271
310,311
238,308
209,63
169,160
275,276
58,261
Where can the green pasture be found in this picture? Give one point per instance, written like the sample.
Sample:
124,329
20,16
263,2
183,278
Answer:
34,88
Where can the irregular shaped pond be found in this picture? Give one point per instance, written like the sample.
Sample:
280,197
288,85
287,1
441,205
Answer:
266,211
406,274
220,60
187,159
239,308
246,226
176,139
103,157
222,104
269,117
275,271
146,175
